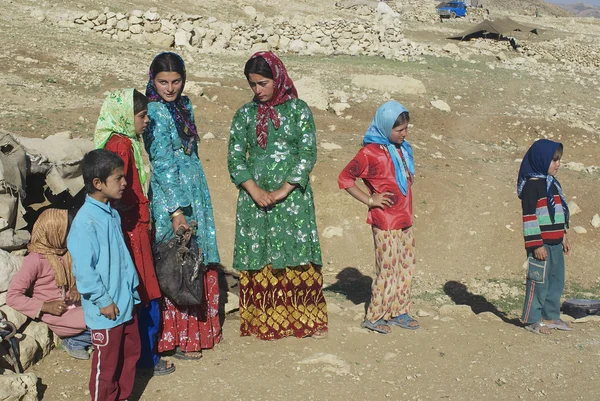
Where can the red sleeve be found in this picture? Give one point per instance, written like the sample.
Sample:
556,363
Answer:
125,152
355,169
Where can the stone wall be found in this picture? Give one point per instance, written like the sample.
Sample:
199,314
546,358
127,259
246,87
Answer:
377,35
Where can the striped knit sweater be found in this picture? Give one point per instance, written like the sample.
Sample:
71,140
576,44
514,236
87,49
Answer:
538,227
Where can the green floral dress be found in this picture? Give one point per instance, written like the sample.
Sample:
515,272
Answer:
284,235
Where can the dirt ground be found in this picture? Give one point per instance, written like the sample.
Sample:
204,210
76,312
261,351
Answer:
467,214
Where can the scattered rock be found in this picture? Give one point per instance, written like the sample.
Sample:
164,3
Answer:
489,316
389,83
596,221
210,135
451,48
440,105
330,146
551,112
579,230
423,313
312,92
330,232
456,310
336,364
573,208
339,108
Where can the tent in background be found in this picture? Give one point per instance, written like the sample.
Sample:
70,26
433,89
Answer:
496,28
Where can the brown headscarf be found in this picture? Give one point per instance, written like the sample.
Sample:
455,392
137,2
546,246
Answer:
49,238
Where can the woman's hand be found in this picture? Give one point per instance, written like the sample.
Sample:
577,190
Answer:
74,295
382,200
282,192
179,221
261,197
540,253
56,308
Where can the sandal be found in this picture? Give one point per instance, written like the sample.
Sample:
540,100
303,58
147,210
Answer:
162,368
379,326
538,328
559,324
404,321
187,356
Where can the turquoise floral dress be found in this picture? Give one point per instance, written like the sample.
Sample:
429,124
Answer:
178,181
286,234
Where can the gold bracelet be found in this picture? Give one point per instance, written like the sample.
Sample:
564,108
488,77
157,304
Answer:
370,201
176,213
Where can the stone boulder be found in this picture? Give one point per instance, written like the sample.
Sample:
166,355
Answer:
21,387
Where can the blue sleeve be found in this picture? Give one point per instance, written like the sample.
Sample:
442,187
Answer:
158,140
84,247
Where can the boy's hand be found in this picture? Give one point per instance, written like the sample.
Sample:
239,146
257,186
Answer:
382,200
540,253
74,295
56,308
566,247
110,312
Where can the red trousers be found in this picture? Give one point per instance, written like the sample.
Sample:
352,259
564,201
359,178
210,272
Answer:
116,352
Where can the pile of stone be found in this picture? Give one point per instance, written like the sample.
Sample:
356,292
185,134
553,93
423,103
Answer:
380,35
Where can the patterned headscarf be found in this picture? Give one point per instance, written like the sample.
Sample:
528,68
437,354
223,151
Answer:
186,128
379,132
49,238
535,164
116,117
283,90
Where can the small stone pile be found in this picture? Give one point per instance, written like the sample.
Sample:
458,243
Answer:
379,35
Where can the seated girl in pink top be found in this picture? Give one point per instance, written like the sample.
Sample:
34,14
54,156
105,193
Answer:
45,288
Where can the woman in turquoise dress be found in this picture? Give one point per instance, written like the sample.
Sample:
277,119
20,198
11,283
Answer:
179,194
272,150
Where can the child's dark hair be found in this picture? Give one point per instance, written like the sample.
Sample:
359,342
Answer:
402,118
167,62
559,152
99,163
140,102
258,65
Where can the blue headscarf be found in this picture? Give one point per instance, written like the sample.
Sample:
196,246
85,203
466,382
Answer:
379,132
535,164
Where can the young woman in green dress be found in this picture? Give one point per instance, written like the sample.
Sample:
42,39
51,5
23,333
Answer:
272,150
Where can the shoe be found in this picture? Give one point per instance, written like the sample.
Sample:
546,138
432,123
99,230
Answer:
80,353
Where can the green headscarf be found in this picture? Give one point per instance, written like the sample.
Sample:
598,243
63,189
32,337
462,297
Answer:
116,117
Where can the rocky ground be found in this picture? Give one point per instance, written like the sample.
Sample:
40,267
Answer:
475,108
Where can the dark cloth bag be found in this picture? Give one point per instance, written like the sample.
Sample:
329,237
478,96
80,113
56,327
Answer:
179,269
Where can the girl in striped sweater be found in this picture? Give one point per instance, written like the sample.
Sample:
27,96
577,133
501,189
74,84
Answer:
545,220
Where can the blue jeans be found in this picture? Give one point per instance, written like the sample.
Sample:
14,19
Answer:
545,285
78,341
148,323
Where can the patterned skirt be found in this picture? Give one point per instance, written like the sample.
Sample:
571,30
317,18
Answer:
394,268
277,303
192,328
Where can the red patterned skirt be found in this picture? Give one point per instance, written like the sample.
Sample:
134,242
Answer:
192,328
277,303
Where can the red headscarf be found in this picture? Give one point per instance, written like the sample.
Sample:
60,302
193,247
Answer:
283,90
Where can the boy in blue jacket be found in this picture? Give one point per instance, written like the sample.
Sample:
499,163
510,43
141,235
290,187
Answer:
106,278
